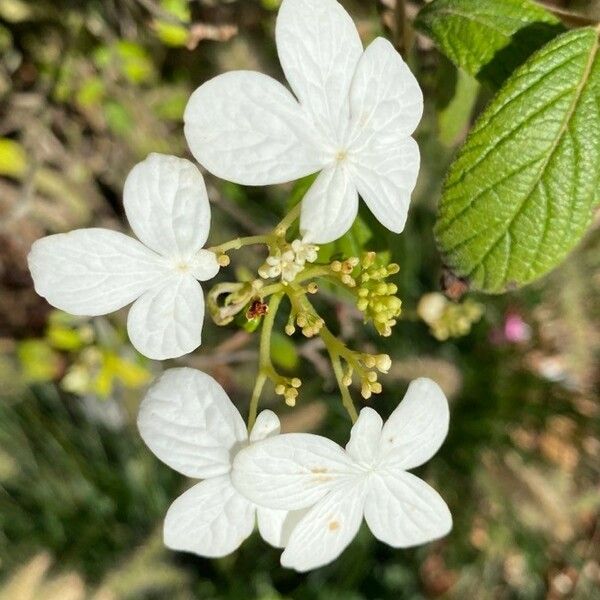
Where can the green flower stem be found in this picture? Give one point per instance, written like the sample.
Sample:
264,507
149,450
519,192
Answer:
287,221
268,239
339,375
265,368
333,344
237,243
271,289
337,350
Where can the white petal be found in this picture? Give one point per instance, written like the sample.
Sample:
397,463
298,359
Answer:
402,510
276,526
319,48
326,530
167,205
93,271
248,128
189,422
290,471
329,207
203,265
166,321
416,429
266,425
386,101
211,519
365,436
385,178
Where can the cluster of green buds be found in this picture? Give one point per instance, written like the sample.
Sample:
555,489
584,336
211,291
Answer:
302,314
367,367
448,319
289,390
288,260
343,270
376,298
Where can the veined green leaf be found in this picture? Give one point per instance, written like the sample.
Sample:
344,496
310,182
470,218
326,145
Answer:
488,38
521,192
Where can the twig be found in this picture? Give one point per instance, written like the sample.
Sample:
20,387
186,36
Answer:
567,16
401,27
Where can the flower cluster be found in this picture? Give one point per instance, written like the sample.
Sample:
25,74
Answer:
376,298
448,319
289,261
350,121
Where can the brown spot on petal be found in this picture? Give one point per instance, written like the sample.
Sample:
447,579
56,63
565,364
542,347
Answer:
333,525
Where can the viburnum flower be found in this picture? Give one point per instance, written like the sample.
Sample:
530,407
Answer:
189,422
351,119
290,262
96,271
369,478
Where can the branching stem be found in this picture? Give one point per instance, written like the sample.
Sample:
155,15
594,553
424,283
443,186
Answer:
237,243
337,350
265,368
287,221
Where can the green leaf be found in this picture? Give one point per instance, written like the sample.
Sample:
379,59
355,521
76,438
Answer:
521,192
488,38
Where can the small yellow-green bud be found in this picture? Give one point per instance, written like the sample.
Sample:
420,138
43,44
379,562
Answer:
365,391
369,361
376,387
384,362
223,260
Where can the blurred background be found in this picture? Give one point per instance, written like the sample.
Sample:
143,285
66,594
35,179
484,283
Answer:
89,88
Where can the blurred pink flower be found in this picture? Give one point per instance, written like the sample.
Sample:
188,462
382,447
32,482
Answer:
514,330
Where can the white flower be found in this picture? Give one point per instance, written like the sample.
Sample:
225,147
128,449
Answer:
283,264
351,119
190,423
304,252
289,262
97,271
295,471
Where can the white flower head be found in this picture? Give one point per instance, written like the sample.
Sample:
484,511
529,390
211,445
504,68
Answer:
190,423
304,252
289,262
97,271
351,119
369,478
